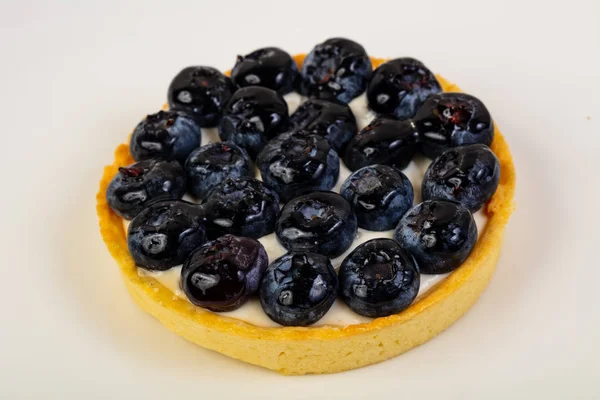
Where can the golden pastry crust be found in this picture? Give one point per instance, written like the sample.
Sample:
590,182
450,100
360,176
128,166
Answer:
324,349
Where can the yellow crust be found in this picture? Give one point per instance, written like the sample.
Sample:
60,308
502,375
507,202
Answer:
314,350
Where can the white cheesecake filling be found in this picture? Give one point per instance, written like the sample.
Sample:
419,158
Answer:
339,314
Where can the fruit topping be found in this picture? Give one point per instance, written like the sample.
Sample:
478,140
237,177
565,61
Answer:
448,120
242,206
400,86
298,289
334,121
142,183
222,274
383,141
379,278
165,233
466,174
379,196
201,92
167,135
320,222
211,164
297,163
253,116
336,69
270,67
440,234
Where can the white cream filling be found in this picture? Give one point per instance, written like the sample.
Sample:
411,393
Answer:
339,314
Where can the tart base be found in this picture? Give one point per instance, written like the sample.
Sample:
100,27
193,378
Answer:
324,349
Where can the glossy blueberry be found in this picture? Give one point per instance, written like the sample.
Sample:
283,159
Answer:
165,233
222,274
201,92
383,141
270,67
298,289
466,174
297,163
320,222
379,278
242,206
379,196
211,164
334,121
166,135
253,116
400,86
440,234
142,183
336,69
448,120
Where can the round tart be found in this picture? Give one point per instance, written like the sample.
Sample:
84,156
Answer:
294,350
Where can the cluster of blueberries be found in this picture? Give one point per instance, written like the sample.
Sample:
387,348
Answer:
298,160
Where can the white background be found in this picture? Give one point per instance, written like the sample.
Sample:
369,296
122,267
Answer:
75,78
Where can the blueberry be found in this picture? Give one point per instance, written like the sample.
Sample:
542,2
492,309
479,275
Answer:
379,278
142,183
383,141
270,67
466,174
320,222
242,206
379,196
440,234
165,233
334,121
167,135
202,92
336,69
400,86
448,120
253,116
297,163
222,274
298,289
211,164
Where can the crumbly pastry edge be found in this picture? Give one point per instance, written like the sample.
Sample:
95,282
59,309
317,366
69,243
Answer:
324,349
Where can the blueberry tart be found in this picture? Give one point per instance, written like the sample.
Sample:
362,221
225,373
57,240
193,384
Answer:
267,248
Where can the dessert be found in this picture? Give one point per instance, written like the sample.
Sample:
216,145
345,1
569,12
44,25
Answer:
195,263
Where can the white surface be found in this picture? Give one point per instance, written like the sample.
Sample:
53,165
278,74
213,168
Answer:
76,77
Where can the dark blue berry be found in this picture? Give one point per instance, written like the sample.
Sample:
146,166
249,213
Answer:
448,120
298,289
400,86
440,234
320,222
297,163
270,67
466,174
242,206
222,274
164,234
383,141
142,183
379,278
167,135
379,196
253,116
201,92
211,164
336,69
334,121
